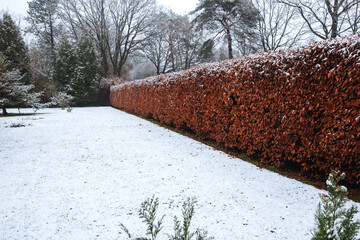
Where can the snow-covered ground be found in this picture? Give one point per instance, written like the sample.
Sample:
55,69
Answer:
79,175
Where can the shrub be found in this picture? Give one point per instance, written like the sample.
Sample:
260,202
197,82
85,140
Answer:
291,108
333,220
182,232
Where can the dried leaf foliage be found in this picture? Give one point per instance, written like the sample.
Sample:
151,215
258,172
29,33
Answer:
297,107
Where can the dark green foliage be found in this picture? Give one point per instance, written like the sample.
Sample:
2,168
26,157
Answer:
225,17
215,14
13,48
64,65
86,73
77,71
206,53
333,220
15,90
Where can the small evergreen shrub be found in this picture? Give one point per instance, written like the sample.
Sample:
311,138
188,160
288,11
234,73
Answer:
181,232
333,220
148,213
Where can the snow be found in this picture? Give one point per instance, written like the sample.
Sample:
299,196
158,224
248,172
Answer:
78,175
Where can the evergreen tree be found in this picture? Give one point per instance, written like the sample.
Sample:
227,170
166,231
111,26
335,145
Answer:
13,48
333,220
66,61
226,17
62,99
206,53
86,74
13,93
15,90
77,70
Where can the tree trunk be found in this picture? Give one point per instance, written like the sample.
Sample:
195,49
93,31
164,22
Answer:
4,111
172,53
335,20
229,39
52,41
104,63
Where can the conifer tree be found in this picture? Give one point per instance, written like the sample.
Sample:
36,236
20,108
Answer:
12,47
333,220
65,64
77,70
13,93
86,72
206,53
15,90
225,17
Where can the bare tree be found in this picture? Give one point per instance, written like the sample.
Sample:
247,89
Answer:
156,46
172,44
353,18
43,21
187,42
117,26
279,25
89,15
326,18
130,20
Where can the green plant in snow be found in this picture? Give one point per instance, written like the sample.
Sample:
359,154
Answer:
148,214
182,231
333,220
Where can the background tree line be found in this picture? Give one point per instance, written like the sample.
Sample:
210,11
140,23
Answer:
78,44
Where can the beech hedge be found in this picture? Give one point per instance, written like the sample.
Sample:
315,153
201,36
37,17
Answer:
290,108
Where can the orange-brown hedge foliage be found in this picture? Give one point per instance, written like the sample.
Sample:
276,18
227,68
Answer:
298,107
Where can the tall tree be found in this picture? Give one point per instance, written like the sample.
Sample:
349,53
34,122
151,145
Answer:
77,70
92,16
189,43
117,26
326,18
14,79
66,61
43,20
12,47
44,25
206,52
353,18
223,16
86,75
156,46
279,25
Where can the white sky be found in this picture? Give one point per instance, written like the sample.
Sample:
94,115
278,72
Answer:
178,6
14,6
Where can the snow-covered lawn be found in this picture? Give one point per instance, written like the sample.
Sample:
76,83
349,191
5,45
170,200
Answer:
79,175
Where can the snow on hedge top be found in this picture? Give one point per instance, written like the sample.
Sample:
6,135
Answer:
347,44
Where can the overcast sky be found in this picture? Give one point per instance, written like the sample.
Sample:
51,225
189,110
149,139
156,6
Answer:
178,6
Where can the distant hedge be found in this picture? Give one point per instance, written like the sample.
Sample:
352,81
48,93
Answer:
297,107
